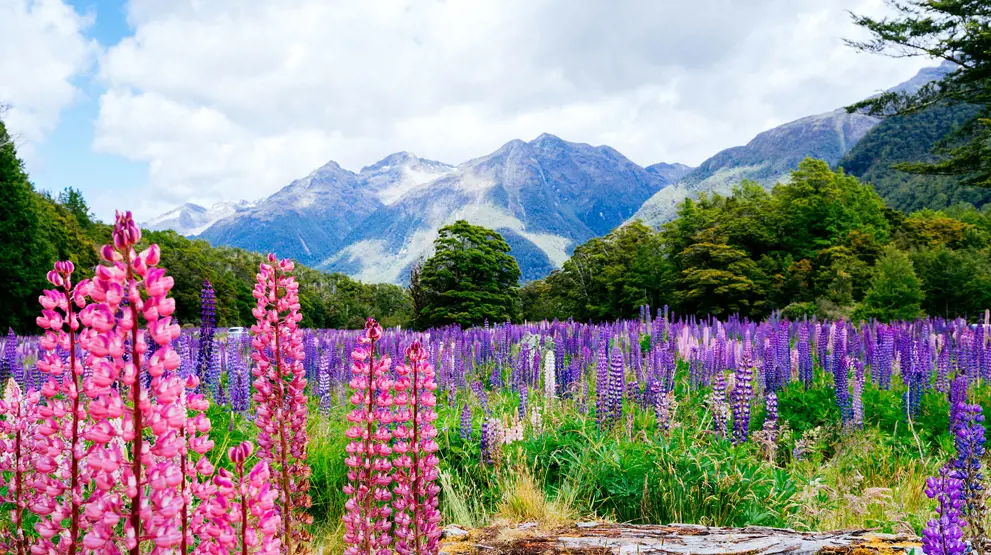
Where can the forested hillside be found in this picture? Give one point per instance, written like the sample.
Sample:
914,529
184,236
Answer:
823,244
911,138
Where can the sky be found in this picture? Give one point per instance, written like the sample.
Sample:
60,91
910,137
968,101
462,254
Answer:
146,104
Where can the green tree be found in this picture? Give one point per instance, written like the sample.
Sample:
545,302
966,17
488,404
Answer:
417,296
958,31
954,282
818,208
606,278
25,255
719,279
470,278
896,292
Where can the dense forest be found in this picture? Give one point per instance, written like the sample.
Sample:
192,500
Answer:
823,244
918,136
37,228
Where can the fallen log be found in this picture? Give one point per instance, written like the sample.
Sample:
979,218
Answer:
680,539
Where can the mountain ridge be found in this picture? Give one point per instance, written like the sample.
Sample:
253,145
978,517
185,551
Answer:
772,154
546,196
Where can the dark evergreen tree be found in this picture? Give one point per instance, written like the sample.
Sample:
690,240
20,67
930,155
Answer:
25,255
958,31
470,278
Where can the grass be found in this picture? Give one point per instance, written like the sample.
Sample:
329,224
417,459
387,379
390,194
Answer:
568,469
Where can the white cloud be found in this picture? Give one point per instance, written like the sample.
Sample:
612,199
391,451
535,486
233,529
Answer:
230,99
42,49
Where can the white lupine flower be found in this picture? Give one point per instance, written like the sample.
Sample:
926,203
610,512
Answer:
550,379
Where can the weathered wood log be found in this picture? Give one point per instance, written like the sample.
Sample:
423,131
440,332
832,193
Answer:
618,539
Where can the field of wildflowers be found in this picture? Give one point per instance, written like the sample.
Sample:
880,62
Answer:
121,431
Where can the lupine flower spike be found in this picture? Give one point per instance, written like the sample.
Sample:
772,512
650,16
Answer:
366,513
116,352
280,394
59,440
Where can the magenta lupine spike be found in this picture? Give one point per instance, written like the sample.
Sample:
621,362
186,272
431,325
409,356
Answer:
366,510
61,461
196,438
416,506
238,514
280,394
18,422
144,489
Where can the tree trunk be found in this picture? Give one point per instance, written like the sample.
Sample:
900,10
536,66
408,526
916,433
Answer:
615,539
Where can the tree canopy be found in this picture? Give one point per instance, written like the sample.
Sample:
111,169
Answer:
959,32
470,278
822,243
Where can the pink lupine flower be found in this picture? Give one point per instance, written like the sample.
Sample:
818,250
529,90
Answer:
141,488
416,508
18,419
193,477
280,385
238,515
367,510
61,463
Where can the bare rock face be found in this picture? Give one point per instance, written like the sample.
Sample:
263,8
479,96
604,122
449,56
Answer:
615,539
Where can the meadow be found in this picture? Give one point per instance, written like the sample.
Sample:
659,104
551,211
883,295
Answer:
810,425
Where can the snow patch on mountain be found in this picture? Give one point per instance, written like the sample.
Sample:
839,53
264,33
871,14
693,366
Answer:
374,261
411,179
398,174
192,219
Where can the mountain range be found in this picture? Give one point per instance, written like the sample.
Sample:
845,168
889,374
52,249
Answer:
545,196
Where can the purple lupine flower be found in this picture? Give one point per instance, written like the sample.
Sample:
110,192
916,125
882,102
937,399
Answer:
207,322
719,408
943,368
495,378
886,351
743,390
483,397
614,398
216,365
804,356
602,380
695,368
465,421
323,385
958,399
969,442
943,535
486,442
771,417
8,362
858,393
238,380
782,356
213,374
524,400
841,384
